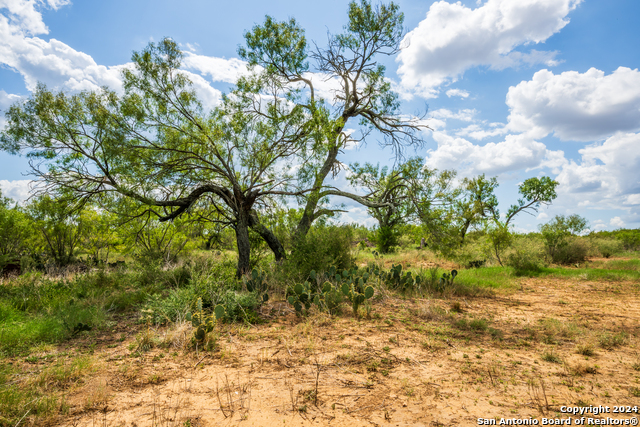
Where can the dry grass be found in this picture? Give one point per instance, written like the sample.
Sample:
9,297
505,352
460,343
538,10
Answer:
429,361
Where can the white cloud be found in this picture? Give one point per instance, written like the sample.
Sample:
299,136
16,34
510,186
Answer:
617,222
457,92
575,106
219,69
542,215
607,175
23,14
64,68
516,152
18,190
358,215
52,62
453,38
208,95
466,115
479,132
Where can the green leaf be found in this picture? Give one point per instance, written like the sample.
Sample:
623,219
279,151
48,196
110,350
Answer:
346,290
326,287
368,292
219,312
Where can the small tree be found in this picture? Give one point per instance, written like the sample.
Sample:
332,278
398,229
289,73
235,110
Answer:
99,236
62,231
477,204
386,187
16,233
535,192
556,231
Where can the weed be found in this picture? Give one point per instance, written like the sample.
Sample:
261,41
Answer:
585,350
456,307
609,341
550,356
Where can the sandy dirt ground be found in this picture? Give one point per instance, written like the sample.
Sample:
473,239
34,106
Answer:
518,354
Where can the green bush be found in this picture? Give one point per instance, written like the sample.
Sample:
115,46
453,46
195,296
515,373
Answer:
239,306
474,253
527,254
574,250
321,247
160,310
606,247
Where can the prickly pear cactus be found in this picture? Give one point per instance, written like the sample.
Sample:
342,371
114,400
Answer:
204,323
447,280
357,292
256,283
300,296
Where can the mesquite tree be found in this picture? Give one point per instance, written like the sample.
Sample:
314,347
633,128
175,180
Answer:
535,192
280,57
157,147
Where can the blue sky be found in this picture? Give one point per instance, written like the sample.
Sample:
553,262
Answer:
515,88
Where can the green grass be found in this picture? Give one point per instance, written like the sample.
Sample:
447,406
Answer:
16,399
36,309
488,277
592,274
550,356
617,264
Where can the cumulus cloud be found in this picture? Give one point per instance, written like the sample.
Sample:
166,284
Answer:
516,152
616,222
457,92
576,106
453,38
52,62
18,190
466,115
218,69
607,176
23,15
479,132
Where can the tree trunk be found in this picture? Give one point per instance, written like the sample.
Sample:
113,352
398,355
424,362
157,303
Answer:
268,236
314,197
244,247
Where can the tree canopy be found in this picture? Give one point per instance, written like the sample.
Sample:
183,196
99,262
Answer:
156,146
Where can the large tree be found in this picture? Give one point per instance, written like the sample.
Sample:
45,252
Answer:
155,145
280,56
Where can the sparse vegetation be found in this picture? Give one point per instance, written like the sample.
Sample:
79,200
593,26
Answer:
161,250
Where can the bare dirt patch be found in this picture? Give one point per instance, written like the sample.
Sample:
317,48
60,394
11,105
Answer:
431,362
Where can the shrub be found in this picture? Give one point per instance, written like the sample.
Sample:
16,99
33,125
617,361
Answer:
574,250
321,247
527,254
160,310
606,247
608,341
239,306
474,253
550,356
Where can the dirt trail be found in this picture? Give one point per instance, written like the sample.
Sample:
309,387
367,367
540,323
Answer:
416,362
